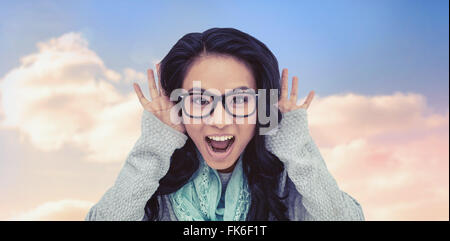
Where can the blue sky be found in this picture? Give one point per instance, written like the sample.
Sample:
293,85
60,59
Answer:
366,47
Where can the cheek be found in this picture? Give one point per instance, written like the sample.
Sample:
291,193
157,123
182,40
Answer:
252,119
246,132
195,132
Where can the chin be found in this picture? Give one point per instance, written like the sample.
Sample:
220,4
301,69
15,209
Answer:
220,164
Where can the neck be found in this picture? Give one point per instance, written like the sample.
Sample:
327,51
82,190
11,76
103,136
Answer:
229,169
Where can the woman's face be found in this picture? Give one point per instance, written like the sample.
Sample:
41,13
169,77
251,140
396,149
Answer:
222,73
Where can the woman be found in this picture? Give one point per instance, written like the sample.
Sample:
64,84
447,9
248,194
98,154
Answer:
212,163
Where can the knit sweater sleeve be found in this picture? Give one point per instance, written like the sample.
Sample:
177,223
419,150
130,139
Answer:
146,164
320,195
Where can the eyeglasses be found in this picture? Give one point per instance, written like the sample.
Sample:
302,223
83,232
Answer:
236,103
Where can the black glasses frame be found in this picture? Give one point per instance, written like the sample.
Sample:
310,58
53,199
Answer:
216,99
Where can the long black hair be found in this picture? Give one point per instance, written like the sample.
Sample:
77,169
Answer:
262,168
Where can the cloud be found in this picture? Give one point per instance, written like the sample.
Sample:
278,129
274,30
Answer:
387,178
1,108
395,164
131,75
342,118
64,94
64,210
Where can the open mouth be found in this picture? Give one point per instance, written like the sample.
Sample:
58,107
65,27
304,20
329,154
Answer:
220,144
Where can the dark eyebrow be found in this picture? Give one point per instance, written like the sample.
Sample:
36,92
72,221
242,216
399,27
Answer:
203,90
197,89
241,88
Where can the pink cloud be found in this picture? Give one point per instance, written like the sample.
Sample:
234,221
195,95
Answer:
63,210
352,116
398,170
67,96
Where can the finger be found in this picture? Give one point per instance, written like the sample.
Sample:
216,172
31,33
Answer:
309,99
284,84
152,84
140,95
157,70
294,90
160,90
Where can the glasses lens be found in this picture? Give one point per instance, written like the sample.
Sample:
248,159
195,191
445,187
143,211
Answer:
198,105
241,104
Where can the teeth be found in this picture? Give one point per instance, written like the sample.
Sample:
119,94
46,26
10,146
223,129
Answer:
220,138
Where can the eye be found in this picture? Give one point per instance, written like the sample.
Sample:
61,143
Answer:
199,100
240,99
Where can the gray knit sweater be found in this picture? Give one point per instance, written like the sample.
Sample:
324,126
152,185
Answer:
313,192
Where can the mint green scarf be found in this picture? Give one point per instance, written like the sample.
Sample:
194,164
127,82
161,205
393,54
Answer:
199,199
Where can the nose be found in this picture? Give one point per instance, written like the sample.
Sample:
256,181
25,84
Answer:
219,117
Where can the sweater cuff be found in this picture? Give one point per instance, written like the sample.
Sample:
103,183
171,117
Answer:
292,131
152,126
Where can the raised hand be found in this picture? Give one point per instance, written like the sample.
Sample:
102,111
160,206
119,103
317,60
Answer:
285,104
160,105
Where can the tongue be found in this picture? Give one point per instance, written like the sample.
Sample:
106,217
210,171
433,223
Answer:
220,144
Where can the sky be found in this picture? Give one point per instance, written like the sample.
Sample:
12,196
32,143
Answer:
69,117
